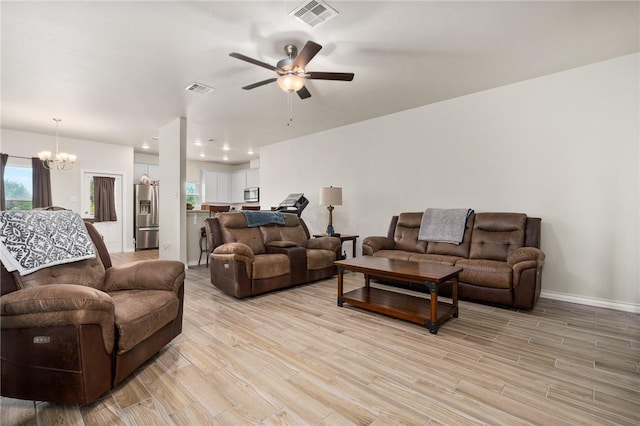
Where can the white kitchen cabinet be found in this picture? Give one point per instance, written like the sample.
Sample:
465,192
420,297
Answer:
216,187
224,187
253,178
210,187
238,184
151,170
154,172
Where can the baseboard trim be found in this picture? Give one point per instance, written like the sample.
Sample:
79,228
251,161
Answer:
592,301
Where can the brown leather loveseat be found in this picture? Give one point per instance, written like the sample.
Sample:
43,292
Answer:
71,332
500,255
247,261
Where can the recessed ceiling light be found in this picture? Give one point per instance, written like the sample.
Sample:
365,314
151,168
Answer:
225,147
225,158
145,146
250,152
202,155
197,143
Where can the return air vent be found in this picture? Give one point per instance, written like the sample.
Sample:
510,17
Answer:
314,13
199,88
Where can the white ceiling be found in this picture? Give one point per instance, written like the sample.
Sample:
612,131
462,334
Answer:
116,71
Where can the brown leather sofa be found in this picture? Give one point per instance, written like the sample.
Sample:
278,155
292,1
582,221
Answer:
247,261
500,255
71,332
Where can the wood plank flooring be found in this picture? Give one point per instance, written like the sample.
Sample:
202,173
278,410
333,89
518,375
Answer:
293,357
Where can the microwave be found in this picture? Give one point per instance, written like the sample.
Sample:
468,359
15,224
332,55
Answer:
252,194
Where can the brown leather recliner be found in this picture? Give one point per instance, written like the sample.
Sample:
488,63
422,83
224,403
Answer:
71,332
248,261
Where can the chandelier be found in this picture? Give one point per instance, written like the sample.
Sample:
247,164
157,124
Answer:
62,160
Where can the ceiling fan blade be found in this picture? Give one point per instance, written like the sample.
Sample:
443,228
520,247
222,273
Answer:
303,93
344,76
253,61
260,83
310,50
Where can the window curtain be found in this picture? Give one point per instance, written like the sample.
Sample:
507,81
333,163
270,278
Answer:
41,184
3,162
104,199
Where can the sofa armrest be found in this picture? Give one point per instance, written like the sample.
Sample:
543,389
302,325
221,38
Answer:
371,245
59,305
325,243
235,252
524,254
146,275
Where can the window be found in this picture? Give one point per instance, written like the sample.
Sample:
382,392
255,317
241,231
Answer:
18,187
192,193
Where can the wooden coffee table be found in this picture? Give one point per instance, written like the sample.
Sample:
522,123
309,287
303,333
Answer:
399,305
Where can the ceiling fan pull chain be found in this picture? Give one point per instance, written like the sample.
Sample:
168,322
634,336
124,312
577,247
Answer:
289,108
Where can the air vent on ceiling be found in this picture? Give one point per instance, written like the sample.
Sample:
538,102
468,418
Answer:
199,88
314,12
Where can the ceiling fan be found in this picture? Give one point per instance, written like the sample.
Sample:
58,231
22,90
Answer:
291,70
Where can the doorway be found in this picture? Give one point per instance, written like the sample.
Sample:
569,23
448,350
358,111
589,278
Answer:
112,232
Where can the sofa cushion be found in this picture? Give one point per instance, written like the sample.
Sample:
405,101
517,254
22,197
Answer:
393,254
233,229
406,233
442,259
270,233
270,265
486,273
89,273
292,230
458,250
320,259
496,235
140,313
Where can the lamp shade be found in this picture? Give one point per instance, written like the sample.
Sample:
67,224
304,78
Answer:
331,196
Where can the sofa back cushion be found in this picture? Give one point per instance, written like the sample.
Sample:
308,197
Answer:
406,233
496,235
88,272
233,229
460,250
292,230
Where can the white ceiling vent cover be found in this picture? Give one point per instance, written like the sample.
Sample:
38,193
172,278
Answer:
199,88
314,13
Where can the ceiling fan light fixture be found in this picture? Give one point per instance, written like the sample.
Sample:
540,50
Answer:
291,82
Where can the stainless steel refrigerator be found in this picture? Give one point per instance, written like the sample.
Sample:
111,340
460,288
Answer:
145,220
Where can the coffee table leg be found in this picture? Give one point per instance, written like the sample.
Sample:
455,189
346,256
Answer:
366,280
340,286
433,327
454,296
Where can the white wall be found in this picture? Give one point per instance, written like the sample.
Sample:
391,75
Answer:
563,147
92,156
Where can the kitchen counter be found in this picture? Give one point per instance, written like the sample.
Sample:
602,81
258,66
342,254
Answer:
195,221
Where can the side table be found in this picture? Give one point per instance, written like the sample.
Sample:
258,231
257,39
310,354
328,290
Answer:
343,238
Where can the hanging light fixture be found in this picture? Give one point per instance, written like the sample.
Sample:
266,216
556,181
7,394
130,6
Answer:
291,82
62,160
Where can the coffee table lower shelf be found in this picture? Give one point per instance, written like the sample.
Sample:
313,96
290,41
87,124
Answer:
399,305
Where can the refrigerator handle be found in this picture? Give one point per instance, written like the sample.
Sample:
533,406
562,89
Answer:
154,205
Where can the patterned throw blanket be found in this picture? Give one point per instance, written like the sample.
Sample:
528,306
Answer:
36,239
259,218
444,225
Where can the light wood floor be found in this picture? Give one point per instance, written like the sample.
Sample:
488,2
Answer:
294,357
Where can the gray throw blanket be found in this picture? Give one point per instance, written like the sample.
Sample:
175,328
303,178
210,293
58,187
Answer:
36,239
444,225
259,217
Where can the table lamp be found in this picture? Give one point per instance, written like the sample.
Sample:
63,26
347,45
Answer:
331,196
